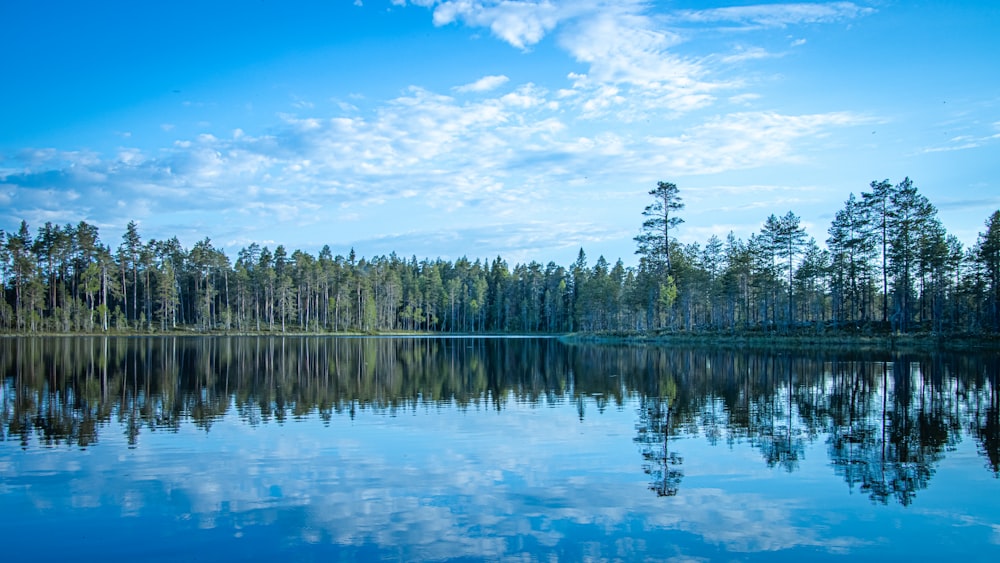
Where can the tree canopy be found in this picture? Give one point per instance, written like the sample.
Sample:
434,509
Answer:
888,265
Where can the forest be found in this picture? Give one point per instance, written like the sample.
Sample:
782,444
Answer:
887,266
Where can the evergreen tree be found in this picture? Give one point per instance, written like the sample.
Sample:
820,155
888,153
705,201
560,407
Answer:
851,247
128,257
987,253
661,217
21,270
790,239
877,205
910,215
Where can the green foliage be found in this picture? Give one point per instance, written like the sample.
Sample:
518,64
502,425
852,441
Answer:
668,293
889,265
654,240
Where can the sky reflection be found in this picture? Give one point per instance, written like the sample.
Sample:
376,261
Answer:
569,475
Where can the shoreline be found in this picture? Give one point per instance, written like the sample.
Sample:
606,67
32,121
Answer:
920,341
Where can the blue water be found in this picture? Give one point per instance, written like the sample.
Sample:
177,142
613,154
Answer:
318,454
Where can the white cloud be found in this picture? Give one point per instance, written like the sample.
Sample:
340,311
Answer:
747,54
510,157
624,46
520,23
484,84
744,99
631,71
619,41
745,140
776,15
961,143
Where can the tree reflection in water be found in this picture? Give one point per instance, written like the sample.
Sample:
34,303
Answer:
887,418
659,462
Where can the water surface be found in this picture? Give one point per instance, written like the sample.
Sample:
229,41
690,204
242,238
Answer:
483,449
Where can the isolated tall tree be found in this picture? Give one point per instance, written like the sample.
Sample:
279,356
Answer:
661,216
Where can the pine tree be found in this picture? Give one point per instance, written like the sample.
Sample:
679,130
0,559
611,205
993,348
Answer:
128,257
988,256
851,246
661,217
877,204
908,218
790,239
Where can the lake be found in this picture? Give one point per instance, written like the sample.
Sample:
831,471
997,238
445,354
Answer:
484,449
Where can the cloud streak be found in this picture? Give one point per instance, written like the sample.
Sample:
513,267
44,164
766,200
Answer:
776,15
484,84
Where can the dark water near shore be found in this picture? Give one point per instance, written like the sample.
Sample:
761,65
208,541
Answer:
242,448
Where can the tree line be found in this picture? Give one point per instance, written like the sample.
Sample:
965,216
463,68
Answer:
888,266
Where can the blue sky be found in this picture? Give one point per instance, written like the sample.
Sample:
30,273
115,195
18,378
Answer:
525,128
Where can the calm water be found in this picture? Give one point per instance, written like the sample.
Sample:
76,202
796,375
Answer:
487,449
